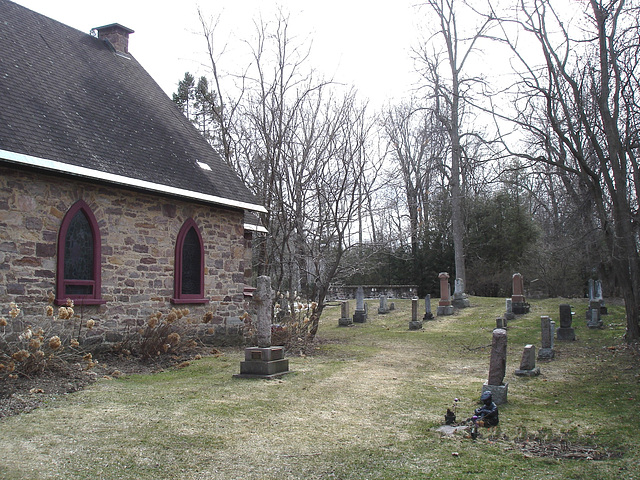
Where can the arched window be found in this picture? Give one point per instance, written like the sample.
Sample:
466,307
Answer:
189,265
78,272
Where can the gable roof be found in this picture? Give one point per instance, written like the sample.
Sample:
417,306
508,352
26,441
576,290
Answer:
70,103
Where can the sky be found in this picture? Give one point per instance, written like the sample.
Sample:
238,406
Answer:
357,42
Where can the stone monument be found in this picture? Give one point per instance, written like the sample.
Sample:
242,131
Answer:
501,322
518,304
566,332
427,308
546,351
383,309
497,368
528,363
415,324
444,305
596,303
263,360
345,318
360,315
460,299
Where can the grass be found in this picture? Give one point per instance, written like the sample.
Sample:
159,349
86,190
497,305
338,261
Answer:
364,406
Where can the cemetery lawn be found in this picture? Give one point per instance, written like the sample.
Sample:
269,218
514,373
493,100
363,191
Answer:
364,405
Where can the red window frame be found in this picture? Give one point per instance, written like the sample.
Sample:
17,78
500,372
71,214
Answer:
95,298
178,296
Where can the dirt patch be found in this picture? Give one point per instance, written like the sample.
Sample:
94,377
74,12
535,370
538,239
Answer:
567,450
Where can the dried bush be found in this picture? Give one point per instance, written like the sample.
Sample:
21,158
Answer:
46,342
169,333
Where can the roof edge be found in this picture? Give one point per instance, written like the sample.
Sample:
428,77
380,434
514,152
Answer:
255,228
89,173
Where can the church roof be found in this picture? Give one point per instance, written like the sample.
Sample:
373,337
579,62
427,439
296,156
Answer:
75,104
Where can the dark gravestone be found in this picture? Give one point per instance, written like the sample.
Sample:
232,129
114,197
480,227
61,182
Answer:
360,315
566,332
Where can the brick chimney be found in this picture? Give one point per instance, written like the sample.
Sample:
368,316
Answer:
117,35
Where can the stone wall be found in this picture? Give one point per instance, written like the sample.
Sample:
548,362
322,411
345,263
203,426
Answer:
138,233
345,292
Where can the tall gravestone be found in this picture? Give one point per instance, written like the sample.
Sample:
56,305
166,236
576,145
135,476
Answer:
508,307
528,363
566,332
497,367
444,305
427,308
599,297
345,318
546,351
360,315
263,360
595,304
415,324
518,304
460,299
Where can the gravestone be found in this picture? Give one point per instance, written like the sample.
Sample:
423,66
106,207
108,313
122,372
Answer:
444,305
595,321
383,309
518,304
599,297
392,306
596,304
263,360
508,306
460,299
566,332
427,308
360,315
415,324
501,322
546,350
528,363
345,318
497,367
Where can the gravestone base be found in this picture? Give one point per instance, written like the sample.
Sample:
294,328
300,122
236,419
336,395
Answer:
509,316
528,373
546,354
461,302
383,311
520,308
263,362
498,392
444,310
359,316
415,325
566,334
427,316
345,322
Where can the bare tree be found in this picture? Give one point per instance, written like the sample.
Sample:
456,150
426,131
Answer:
451,90
579,104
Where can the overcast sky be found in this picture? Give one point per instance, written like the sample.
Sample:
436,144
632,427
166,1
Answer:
357,42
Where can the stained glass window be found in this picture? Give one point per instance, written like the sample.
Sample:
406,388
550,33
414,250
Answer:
191,263
78,276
